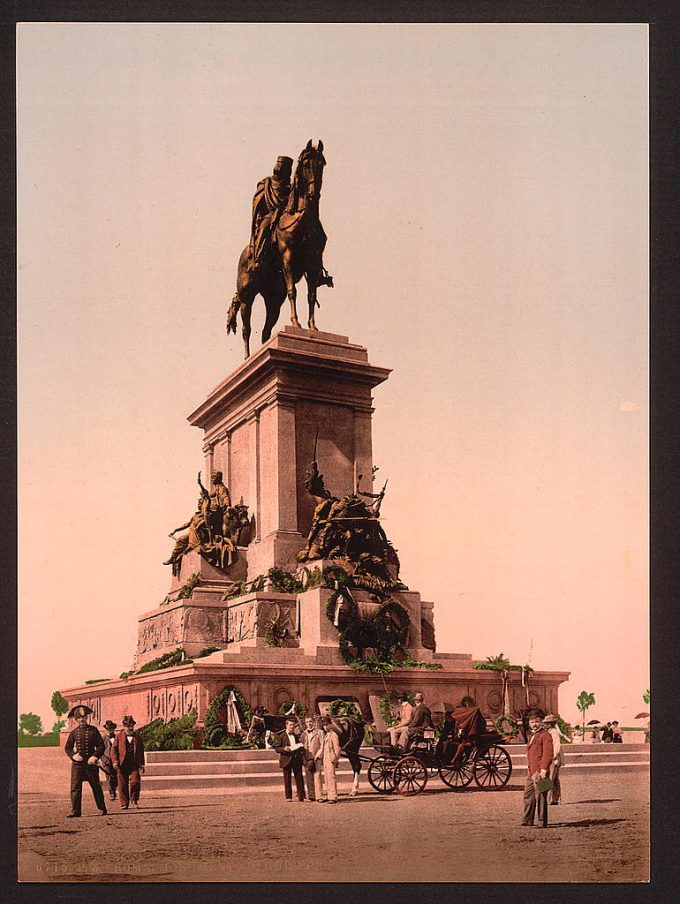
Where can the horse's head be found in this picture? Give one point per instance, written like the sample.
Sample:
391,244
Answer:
306,186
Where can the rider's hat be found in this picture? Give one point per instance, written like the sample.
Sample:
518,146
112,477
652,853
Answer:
284,161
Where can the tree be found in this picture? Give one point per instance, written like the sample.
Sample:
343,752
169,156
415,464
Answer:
58,725
646,696
59,704
29,723
583,702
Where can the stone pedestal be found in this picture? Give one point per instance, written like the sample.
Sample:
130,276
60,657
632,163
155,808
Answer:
260,424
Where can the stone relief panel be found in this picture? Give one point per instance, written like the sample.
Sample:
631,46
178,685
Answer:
494,702
160,631
202,625
282,695
281,617
241,622
427,634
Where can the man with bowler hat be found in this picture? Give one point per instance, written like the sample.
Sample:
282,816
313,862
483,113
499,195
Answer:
105,760
83,747
127,753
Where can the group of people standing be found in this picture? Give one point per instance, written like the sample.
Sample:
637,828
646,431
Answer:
310,754
120,755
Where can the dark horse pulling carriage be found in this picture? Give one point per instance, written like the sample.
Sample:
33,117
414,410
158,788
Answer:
464,751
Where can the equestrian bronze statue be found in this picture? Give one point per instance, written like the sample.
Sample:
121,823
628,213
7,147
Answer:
286,243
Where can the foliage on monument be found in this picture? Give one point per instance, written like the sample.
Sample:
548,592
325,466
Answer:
166,661
647,697
30,723
500,663
583,703
216,731
345,708
408,662
59,704
283,581
390,699
275,636
284,709
96,680
186,588
241,588
206,651
177,734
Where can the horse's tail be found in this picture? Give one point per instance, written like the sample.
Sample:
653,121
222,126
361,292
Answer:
234,308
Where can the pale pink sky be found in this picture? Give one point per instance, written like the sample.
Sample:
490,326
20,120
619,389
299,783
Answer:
486,204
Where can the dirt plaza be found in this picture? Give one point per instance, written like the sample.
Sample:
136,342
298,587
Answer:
600,833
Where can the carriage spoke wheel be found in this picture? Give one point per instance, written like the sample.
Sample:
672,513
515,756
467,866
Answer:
492,768
457,775
410,776
380,774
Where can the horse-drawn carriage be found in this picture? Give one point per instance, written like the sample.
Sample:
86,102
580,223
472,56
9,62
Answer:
465,750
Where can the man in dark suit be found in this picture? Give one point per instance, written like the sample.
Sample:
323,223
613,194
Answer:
290,751
127,753
83,747
105,760
420,720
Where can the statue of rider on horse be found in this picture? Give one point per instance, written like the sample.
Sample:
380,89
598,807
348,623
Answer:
286,243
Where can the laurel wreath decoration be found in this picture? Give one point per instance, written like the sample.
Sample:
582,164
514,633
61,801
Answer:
506,726
216,731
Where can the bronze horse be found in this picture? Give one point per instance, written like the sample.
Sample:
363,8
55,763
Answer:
298,241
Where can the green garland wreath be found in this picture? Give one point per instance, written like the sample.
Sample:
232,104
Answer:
345,708
299,709
215,731
506,726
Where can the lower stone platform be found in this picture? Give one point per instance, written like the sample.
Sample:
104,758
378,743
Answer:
292,674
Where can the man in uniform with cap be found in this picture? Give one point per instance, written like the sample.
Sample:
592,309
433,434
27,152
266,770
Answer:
269,203
127,753
105,760
83,747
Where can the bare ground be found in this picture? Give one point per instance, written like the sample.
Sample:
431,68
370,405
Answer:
598,834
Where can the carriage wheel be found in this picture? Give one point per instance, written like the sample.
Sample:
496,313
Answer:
457,775
380,774
492,768
410,776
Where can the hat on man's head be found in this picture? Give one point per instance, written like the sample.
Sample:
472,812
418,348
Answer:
551,717
110,725
128,720
284,161
80,710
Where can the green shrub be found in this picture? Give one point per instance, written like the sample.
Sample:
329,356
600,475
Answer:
166,661
96,680
177,734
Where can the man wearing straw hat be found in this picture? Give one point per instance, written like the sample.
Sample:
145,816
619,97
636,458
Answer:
555,733
83,747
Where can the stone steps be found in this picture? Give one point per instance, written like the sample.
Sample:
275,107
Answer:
257,770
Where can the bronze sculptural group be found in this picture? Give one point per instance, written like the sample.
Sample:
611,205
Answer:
214,530
286,243
349,531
